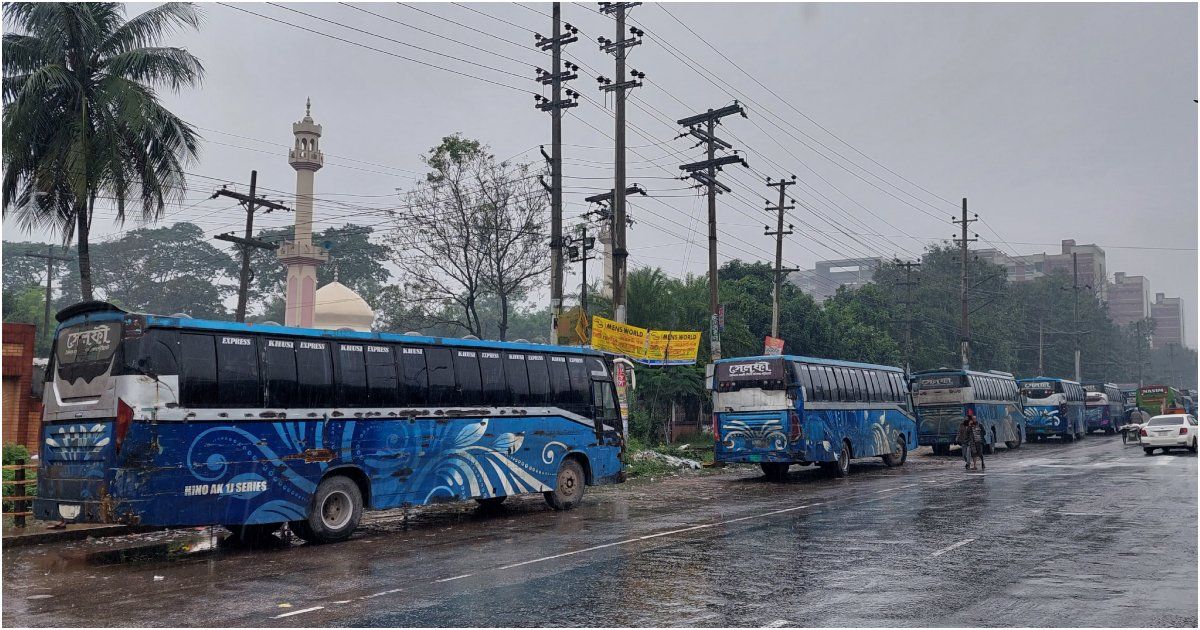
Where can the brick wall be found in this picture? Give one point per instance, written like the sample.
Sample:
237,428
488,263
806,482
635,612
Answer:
22,415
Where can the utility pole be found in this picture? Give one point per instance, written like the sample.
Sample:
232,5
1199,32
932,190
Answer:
908,284
604,215
964,323
617,48
555,105
779,233
577,250
251,202
1041,370
1075,310
705,172
51,258
1140,359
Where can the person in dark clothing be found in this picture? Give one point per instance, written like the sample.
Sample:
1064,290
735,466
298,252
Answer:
970,438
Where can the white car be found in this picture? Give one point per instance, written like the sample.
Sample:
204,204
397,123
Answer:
1175,430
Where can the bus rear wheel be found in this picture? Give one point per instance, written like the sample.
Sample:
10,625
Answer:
841,467
334,513
899,456
568,488
774,471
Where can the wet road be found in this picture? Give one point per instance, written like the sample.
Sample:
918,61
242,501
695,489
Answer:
1046,537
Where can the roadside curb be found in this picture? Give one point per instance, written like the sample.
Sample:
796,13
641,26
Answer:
64,535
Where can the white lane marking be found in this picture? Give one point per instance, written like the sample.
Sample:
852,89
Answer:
297,612
778,623
457,577
1080,514
951,547
387,592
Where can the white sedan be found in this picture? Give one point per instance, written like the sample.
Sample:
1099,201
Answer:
1175,430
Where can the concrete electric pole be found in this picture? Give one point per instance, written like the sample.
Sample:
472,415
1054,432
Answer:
555,105
964,323
779,233
51,258
251,203
705,172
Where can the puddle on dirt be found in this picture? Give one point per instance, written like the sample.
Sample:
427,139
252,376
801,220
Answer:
161,546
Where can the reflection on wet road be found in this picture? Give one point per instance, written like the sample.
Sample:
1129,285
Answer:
1046,537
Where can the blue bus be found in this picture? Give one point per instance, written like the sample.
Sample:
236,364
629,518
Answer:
175,421
782,410
1053,407
943,396
1104,407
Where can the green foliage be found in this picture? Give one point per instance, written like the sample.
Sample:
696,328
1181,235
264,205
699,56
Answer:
13,452
82,115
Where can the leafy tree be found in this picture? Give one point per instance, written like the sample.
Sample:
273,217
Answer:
82,120
163,270
354,260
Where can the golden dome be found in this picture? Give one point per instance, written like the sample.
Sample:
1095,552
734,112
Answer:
337,306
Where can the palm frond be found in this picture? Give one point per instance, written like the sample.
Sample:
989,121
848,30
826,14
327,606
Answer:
173,67
148,28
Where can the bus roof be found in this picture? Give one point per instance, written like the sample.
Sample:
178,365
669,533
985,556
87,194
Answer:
100,311
818,360
995,373
1045,378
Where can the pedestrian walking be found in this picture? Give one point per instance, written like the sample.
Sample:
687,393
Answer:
970,438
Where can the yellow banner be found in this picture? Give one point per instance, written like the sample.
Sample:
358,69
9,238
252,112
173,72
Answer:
655,347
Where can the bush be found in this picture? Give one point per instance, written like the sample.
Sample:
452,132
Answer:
13,452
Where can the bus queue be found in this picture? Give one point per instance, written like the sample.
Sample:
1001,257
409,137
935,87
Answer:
174,421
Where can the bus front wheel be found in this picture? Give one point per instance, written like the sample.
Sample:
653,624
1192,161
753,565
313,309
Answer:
334,513
568,489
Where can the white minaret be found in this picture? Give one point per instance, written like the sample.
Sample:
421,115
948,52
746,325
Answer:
300,255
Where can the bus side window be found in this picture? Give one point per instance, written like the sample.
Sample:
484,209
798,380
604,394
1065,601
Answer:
314,374
560,383
858,384
350,375
840,390
517,378
383,386
415,376
873,381
237,372
279,371
804,379
491,372
580,389
198,371
539,379
820,382
440,366
466,372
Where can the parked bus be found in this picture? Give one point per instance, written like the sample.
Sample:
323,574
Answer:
782,410
1053,407
175,421
1157,400
1104,407
943,396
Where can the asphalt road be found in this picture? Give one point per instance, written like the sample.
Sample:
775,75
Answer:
1085,534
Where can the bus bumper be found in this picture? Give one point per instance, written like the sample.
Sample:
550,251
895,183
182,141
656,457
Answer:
75,511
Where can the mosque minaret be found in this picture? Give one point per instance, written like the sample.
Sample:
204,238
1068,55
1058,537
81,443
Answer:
300,255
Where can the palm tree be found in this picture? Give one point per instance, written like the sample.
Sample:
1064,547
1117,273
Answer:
82,120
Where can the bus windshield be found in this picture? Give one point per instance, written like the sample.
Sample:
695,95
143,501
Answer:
1038,389
88,343
940,381
767,374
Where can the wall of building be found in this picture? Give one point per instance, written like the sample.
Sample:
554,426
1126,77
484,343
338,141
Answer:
22,419
1167,313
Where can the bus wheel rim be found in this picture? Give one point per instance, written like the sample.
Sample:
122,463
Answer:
566,485
336,510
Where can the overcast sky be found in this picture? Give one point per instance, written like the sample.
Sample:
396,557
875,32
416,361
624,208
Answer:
1056,121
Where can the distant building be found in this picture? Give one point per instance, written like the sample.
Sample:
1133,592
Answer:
1167,314
1088,258
823,281
1128,298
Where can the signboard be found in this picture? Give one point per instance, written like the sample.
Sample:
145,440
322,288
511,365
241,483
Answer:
765,370
573,328
651,347
772,346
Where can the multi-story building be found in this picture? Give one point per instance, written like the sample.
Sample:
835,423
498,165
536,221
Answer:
823,281
1128,298
1089,259
1167,314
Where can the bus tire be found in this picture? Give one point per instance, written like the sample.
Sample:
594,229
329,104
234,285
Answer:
568,486
841,467
334,513
899,456
257,535
490,503
775,471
